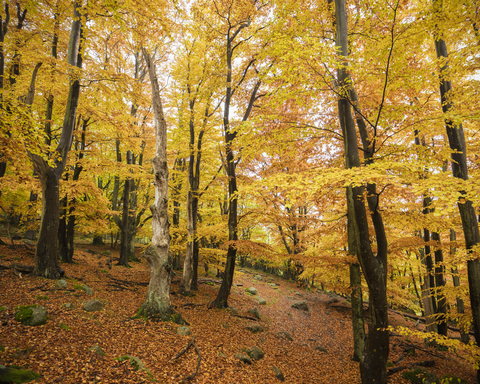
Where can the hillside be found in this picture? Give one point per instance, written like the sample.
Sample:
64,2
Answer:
319,350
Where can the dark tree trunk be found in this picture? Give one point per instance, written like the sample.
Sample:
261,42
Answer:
178,167
441,307
98,240
66,230
221,301
374,360
125,216
358,323
62,230
464,328
46,263
458,146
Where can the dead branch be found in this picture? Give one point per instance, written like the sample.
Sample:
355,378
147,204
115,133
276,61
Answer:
20,268
38,287
191,343
420,318
427,363
192,305
415,346
244,317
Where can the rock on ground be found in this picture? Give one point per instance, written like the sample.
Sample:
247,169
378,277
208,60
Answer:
302,305
252,291
184,331
31,315
92,305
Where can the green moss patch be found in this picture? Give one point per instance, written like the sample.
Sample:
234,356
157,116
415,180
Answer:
14,375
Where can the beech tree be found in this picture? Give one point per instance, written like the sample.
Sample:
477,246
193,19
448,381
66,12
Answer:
158,303
46,263
456,139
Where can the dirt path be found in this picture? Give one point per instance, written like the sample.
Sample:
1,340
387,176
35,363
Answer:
319,350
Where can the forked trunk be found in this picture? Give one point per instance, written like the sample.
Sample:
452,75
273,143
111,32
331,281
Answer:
373,364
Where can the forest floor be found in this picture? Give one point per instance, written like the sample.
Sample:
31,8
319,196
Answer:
59,350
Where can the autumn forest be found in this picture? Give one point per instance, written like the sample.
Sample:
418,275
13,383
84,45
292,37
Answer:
333,144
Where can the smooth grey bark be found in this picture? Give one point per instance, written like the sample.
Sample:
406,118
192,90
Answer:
46,264
456,139
374,360
157,303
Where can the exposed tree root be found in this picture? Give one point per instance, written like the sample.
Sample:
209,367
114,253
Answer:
191,343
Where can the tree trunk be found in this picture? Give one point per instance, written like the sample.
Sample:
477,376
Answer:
464,331
185,284
358,323
46,263
374,360
66,230
125,218
441,306
458,146
62,229
221,301
158,303
178,167
428,287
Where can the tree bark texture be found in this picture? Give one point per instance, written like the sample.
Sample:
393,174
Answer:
358,323
125,218
46,250
374,360
456,139
157,303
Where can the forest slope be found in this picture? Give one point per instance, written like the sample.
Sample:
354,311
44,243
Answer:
319,352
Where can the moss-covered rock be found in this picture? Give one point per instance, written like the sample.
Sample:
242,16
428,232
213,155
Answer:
255,328
421,376
278,373
97,349
87,289
302,305
14,375
32,315
92,305
244,358
255,353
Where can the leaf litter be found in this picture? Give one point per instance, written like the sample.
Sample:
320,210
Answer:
320,349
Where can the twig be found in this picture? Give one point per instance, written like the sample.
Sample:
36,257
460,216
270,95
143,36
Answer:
191,343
